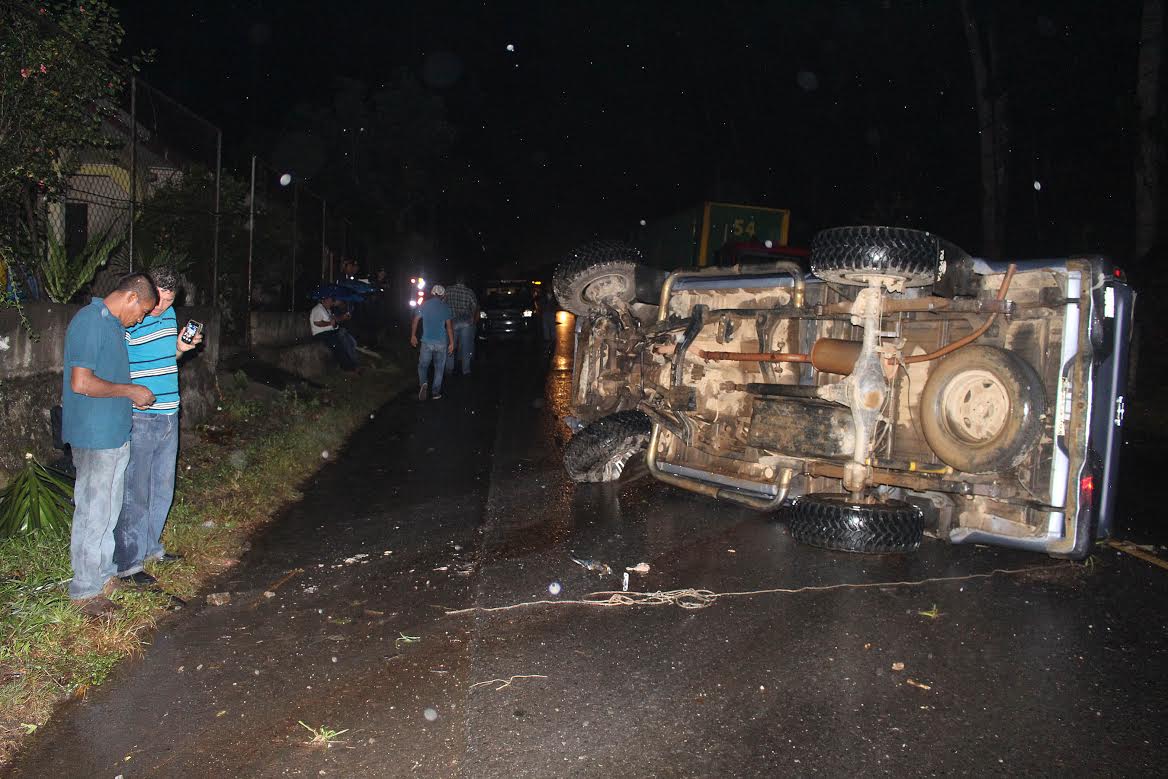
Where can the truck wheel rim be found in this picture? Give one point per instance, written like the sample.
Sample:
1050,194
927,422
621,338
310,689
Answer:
977,407
606,287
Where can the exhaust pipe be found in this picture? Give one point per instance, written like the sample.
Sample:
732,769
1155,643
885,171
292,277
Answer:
828,355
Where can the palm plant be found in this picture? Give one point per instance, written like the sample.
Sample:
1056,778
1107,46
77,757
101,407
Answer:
64,275
37,500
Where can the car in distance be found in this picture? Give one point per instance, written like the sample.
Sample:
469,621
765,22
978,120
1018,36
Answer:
507,308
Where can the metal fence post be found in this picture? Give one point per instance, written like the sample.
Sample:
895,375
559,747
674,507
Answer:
324,261
215,238
251,228
133,167
295,242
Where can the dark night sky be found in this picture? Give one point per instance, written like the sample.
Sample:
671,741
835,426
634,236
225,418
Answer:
606,113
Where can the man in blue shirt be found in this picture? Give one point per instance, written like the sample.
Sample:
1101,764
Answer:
96,398
154,348
437,340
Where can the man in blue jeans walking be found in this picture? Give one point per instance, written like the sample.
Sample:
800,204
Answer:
96,397
154,348
465,308
437,340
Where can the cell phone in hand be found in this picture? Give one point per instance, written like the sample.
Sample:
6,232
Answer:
191,330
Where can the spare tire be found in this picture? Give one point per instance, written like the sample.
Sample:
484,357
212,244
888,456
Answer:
595,274
602,449
846,255
982,408
834,521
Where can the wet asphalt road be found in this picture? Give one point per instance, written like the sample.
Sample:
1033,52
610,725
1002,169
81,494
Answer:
462,502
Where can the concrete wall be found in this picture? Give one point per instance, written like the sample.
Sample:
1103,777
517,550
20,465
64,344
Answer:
284,339
31,375
279,328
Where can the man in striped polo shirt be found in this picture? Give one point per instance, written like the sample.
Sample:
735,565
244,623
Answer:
154,348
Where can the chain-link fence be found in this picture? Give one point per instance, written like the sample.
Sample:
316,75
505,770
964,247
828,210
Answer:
158,193
176,213
152,193
294,243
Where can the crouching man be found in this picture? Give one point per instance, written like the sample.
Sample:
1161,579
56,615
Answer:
96,400
326,327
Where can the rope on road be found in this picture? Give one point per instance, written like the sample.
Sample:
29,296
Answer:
690,598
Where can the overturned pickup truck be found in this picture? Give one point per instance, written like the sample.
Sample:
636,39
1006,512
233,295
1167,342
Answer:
903,386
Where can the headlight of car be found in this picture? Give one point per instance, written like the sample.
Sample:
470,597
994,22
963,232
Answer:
528,312
482,315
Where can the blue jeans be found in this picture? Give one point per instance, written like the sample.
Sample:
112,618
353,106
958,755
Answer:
97,498
432,353
464,341
343,346
149,491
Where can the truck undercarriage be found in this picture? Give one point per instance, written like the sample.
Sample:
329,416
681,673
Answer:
905,385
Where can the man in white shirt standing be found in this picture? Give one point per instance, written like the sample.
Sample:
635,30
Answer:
326,328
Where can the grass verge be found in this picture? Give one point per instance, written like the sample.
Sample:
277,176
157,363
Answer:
246,465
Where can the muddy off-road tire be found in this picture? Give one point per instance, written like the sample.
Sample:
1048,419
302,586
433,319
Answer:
597,273
845,255
602,450
981,409
837,522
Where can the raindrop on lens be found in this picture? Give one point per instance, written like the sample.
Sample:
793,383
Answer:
554,588
285,180
1037,186
430,714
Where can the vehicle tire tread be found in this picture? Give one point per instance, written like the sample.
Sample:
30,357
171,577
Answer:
829,522
623,434
589,261
913,255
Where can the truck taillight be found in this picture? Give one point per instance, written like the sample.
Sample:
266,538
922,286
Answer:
1087,490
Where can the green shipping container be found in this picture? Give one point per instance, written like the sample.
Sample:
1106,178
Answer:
692,238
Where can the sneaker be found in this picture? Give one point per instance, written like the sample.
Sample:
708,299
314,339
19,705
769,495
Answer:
423,391
437,396
97,607
139,579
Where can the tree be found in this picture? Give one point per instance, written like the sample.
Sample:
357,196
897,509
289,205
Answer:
1150,151
59,80
993,128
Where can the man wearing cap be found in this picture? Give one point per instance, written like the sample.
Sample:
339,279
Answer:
437,340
